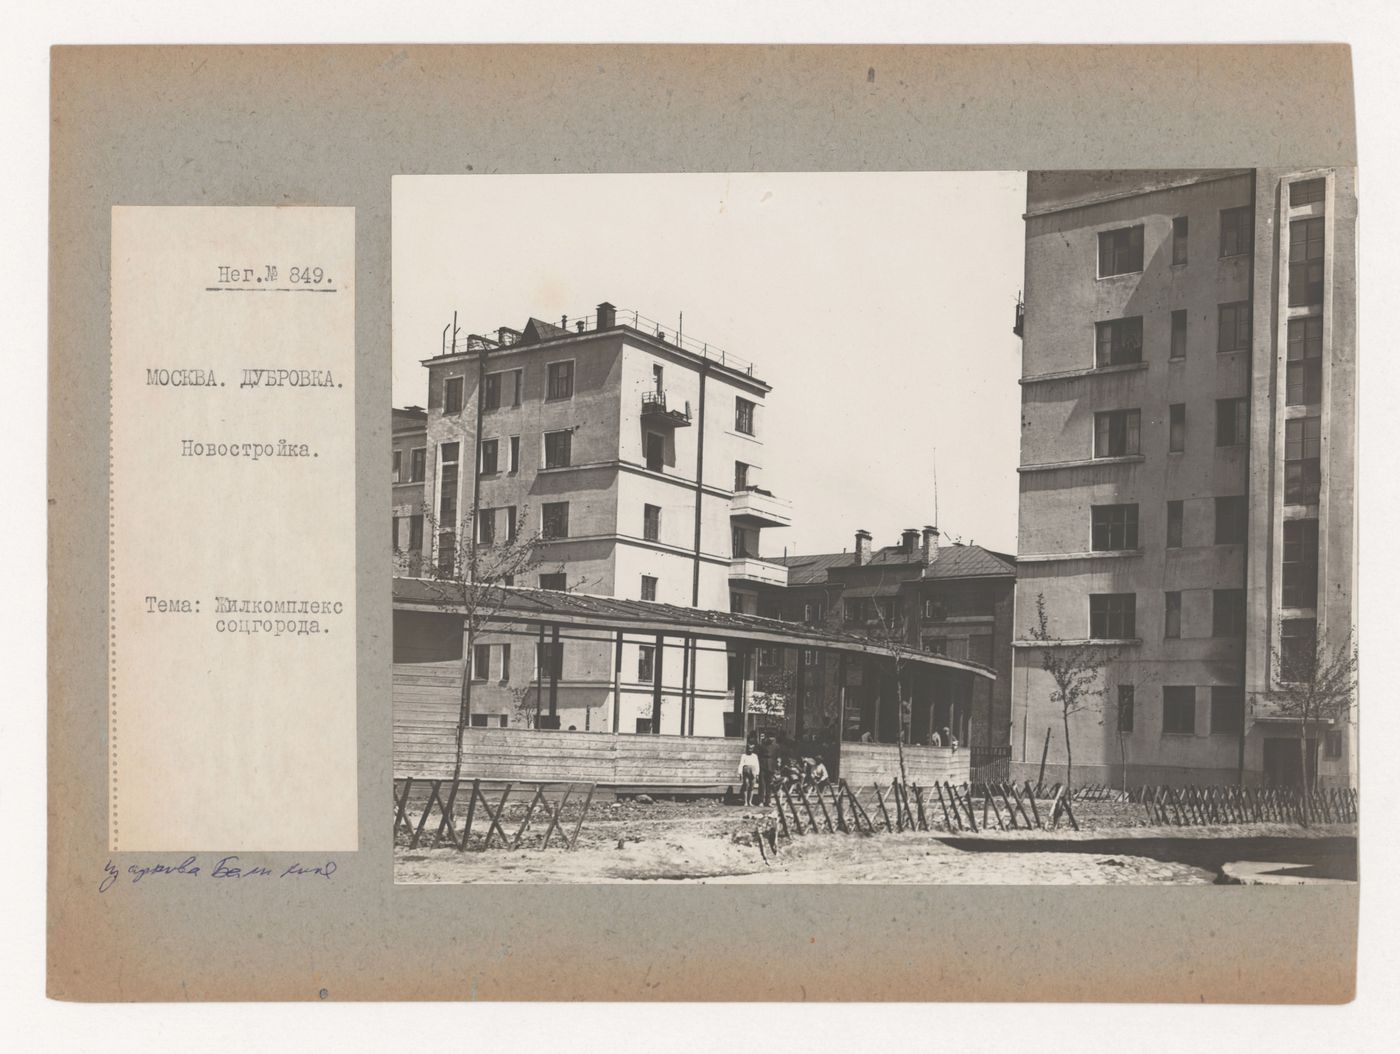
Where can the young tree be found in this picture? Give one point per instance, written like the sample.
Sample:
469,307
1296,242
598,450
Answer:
891,631
470,576
1314,686
1077,671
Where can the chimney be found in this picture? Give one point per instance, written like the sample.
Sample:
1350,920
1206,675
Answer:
930,544
909,540
862,547
607,316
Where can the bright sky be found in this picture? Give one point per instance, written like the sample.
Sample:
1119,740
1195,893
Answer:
878,306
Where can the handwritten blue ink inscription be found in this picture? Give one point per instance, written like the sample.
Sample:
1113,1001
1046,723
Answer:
226,868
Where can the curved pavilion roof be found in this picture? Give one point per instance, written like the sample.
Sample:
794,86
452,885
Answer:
522,605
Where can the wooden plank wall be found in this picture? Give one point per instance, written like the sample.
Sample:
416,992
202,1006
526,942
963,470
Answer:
866,763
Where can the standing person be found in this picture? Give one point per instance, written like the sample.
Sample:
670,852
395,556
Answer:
769,758
936,740
748,773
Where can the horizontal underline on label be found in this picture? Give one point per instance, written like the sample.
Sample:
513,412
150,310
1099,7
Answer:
265,289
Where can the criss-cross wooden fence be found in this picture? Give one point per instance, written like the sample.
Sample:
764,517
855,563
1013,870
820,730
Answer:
898,806
1188,806
466,816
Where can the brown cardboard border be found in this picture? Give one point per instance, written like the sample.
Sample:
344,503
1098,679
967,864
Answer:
331,125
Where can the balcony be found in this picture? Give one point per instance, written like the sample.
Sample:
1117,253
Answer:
656,411
752,569
752,507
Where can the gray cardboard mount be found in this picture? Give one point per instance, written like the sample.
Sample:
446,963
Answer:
331,125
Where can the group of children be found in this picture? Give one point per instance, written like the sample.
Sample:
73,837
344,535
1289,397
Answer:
767,768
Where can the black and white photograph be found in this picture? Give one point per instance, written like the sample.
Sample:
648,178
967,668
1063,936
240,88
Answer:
920,527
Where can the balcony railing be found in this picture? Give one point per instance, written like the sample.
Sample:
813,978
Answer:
753,569
656,408
758,507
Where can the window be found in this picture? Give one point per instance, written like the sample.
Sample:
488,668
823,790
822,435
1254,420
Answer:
481,662
651,522
743,416
549,660
1116,433
1176,428
1120,251
559,380
813,612
1125,707
741,476
1118,342
936,645
516,380
1113,616
1299,563
1231,520
1226,709
1234,327
447,489
558,449
736,601
557,581
505,669
1297,648
1306,240
1174,518
479,720
1179,232
486,527
415,532
656,451
646,663
1231,422
452,395
555,520
1304,361
643,726
511,526
1178,710
490,456
1333,741
513,465
648,587
767,658
447,553
1306,192
417,465
857,609
739,546
956,648
979,648
1115,527
810,656
398,465
1302,457
1178,350
1172,616
1236,231
1228,613
935,609
491,392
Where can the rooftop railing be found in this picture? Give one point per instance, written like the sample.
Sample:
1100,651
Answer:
463,344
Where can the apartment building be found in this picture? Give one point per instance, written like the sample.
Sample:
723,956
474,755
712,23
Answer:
950,600
1187,495
407,474
631,455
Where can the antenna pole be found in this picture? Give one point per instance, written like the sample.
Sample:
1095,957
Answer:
935,486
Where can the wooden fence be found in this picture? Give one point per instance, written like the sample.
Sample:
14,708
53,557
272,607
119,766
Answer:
465,802
1188,806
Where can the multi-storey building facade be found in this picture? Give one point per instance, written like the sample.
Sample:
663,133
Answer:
408,472
631,460
1187,462
953,600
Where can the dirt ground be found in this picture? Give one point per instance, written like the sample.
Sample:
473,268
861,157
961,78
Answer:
705,841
